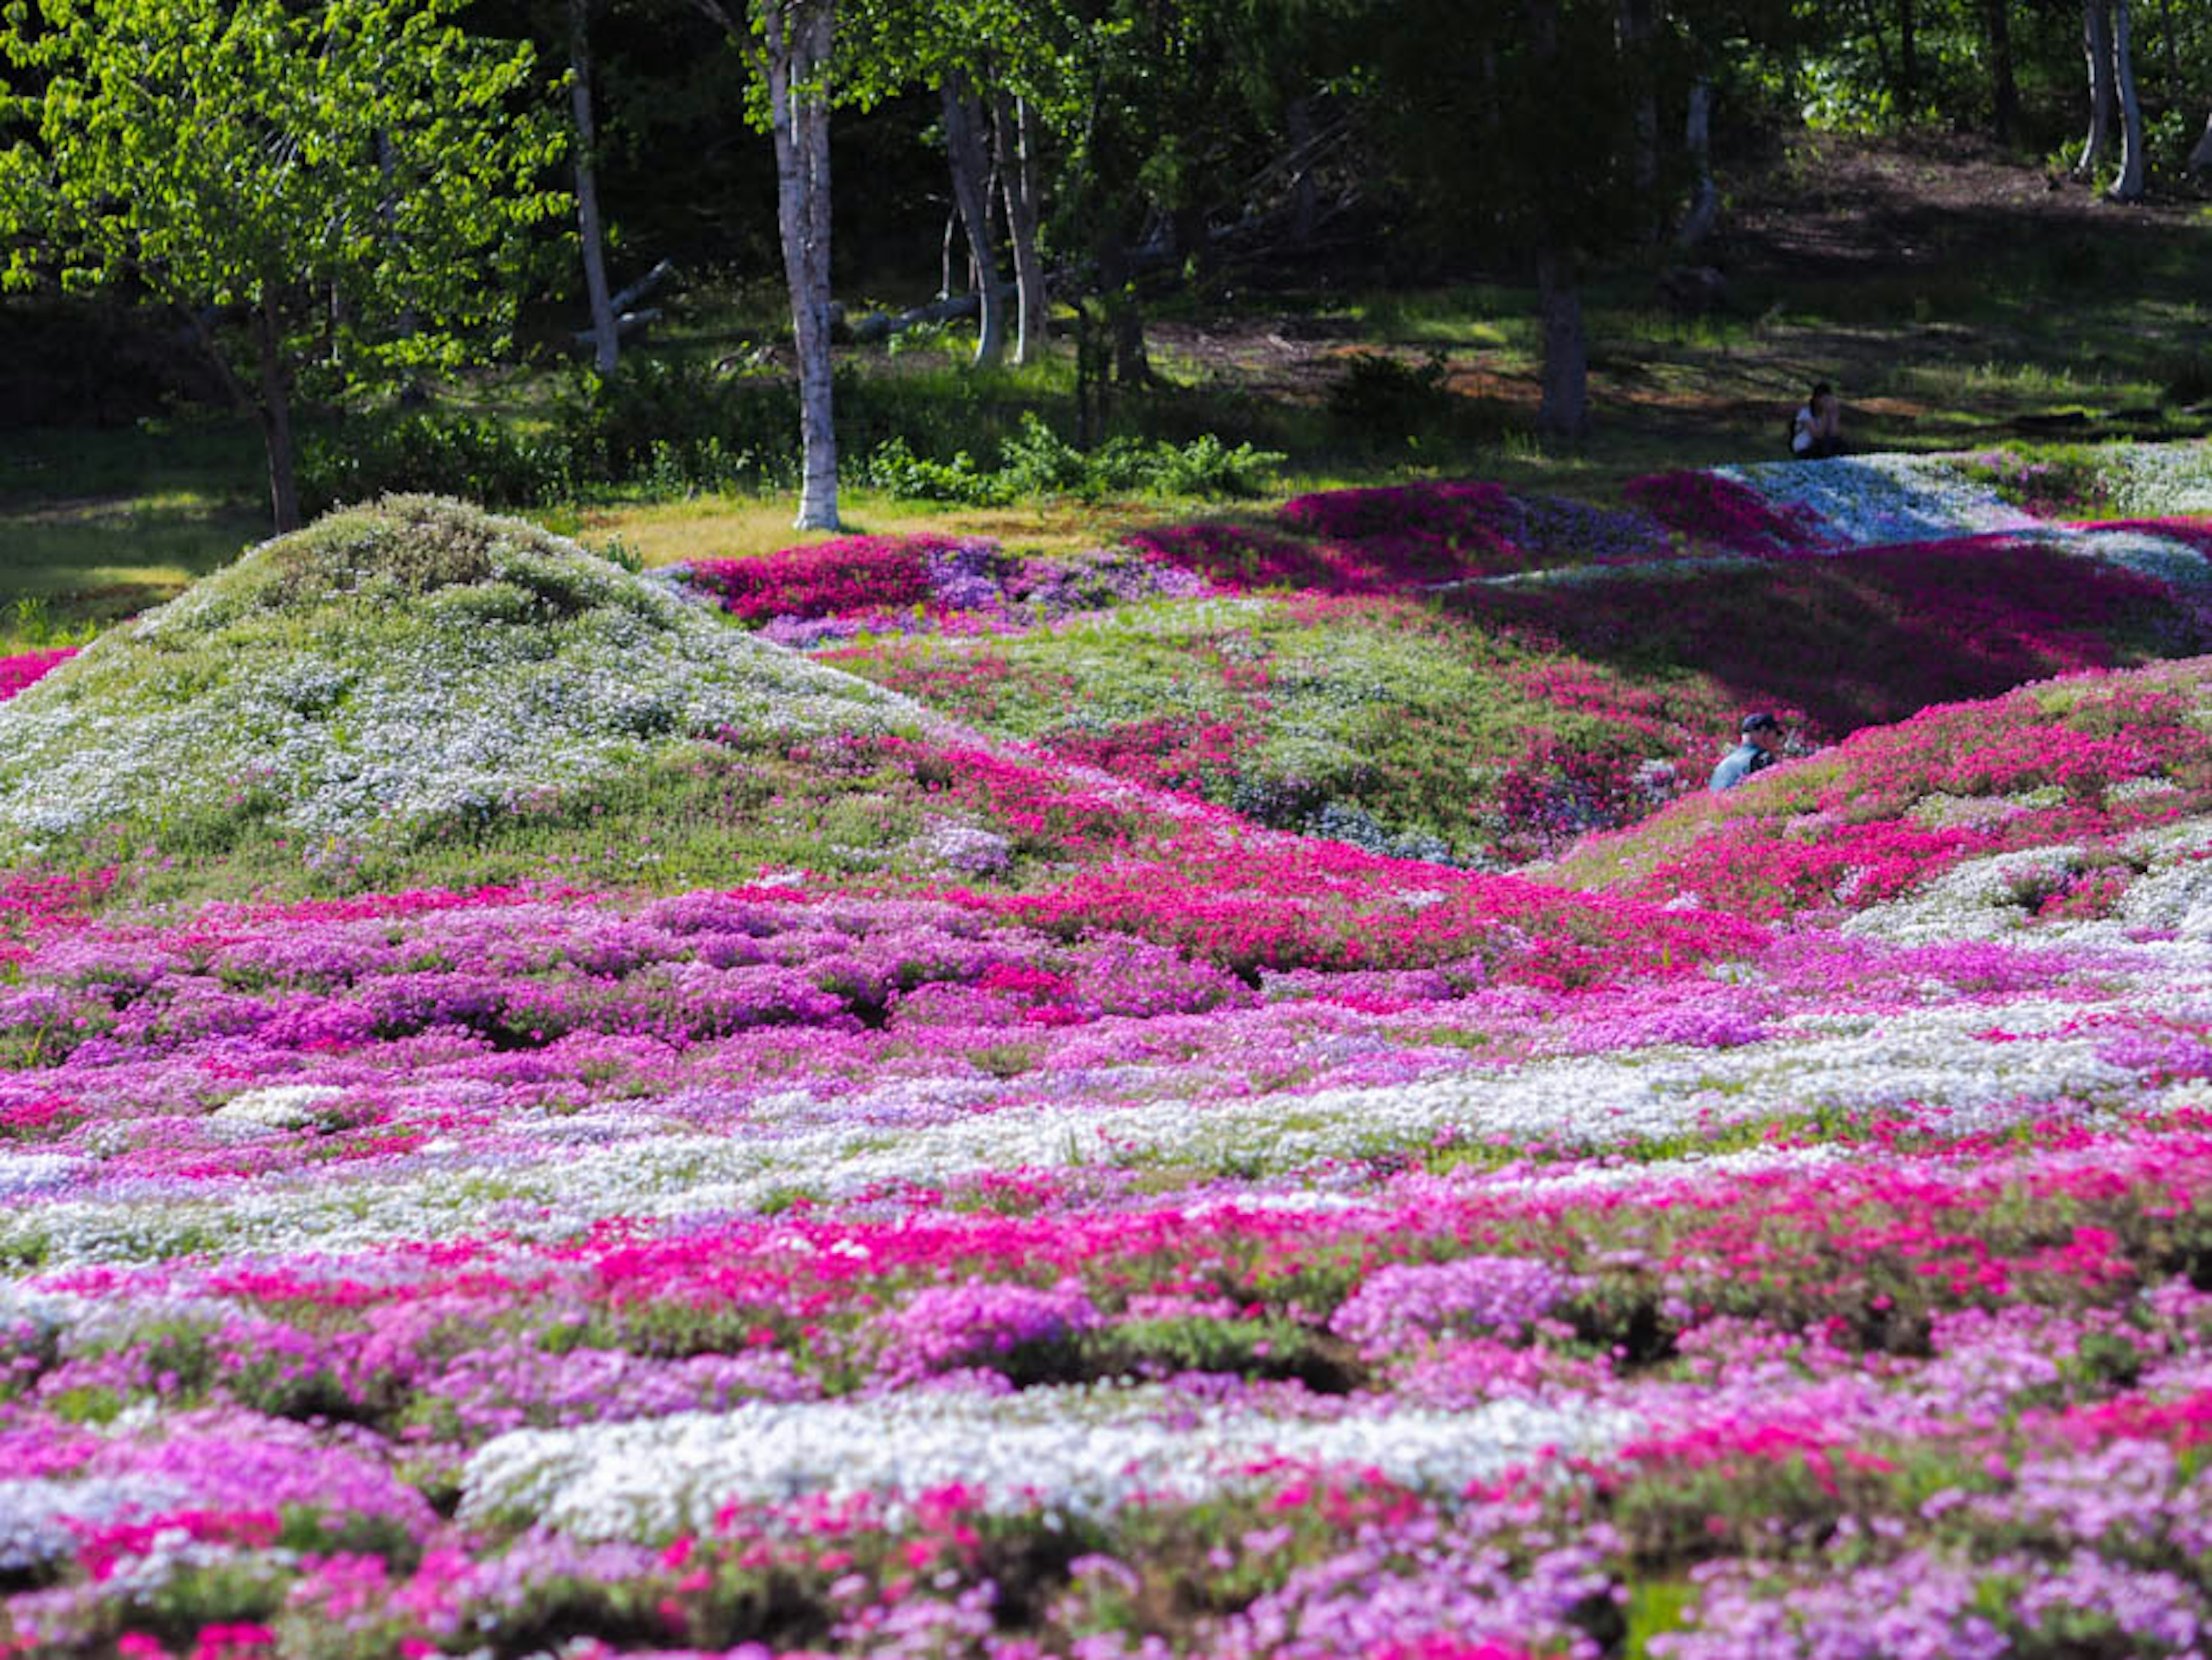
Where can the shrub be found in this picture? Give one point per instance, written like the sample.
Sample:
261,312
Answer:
435,454
1386,397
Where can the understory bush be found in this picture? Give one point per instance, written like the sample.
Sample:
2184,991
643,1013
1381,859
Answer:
671,429
1035,460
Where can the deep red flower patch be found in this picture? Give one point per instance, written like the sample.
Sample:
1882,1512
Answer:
823,578
1718,512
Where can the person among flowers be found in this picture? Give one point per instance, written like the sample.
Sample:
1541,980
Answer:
1758,748
1816,431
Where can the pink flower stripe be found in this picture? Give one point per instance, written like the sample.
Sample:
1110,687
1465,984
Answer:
22,669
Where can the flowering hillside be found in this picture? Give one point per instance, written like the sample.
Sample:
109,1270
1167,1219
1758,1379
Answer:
1454,671
805,1174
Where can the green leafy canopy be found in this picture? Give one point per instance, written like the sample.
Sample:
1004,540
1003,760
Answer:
362,172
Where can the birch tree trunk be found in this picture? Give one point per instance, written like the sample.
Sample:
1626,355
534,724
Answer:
788,43
2200,158
970,166
2129,186
1013,128
798,37
2097,45
606,344
1697,138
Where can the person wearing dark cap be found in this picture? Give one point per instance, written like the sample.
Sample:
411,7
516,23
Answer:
1760,748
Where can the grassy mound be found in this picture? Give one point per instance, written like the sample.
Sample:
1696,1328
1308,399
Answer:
392,674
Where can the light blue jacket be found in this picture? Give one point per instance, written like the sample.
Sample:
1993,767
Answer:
1740,762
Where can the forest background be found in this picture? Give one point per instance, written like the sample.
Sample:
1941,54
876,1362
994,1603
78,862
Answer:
1041,268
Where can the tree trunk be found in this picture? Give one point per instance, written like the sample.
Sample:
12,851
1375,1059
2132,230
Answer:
2200,158
1306,189
1013,128
1697,138
970,166
388,168
2097,46
275,410
2129,186
1880,46
2004,87
1133,365
1194,237
798,44
1564,412
1637,26
1565,409
1908,58
606,340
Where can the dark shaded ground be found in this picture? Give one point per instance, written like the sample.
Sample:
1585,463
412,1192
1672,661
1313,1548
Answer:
1955,295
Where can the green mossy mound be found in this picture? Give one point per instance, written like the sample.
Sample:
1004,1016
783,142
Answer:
395,674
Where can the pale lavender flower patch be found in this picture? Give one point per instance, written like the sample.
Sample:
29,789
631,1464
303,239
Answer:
941,1327
1405,1302
1925,1606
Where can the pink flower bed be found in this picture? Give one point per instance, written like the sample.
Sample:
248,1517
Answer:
21,670
1392,538
822,579
1119,1233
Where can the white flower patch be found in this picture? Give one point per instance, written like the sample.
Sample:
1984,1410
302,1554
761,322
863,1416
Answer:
23,1174
1980,899
2161,559
1071,1452
45,1313
281,1106
448,715
1870,501
2156,480
35,1514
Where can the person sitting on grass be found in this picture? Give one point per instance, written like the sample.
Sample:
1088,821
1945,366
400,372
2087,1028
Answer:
1816,431
1760,748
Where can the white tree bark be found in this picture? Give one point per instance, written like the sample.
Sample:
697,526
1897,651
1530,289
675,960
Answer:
1698,139
2129,186
2097,46
2200,158
970,165
797,40
788,43
606,338
1014,131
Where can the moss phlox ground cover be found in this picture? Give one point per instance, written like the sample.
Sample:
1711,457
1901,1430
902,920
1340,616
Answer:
1454,671
1035,1201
